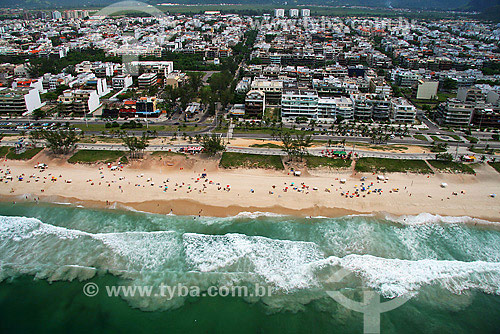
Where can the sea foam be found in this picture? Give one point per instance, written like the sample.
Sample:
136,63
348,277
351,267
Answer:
291,267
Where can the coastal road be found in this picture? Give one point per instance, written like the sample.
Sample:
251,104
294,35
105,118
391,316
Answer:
317,151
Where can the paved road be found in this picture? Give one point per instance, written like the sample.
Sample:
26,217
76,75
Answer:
271,151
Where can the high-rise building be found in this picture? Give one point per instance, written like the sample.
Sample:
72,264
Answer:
279,12
56,15
294,12
299,103
306,12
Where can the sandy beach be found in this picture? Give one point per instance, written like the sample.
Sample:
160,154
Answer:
176,185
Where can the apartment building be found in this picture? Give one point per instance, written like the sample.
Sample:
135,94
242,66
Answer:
279,12
122,81
455,113
402,111
427,90
299,103
79,101
271,88
255,103
327,108
19,101
147,80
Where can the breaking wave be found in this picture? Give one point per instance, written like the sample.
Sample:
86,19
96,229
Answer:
406,262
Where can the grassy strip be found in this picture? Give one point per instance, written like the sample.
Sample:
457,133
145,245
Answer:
495,165
482,151
315,162
235,160
436,138
90,156
3,151
420,137
471,139
27,155
451,167
392,165
266,145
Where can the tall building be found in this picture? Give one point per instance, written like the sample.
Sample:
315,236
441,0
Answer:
402,111
56,15
147,80
19,101
427,90
455,113
299,103
294,12
279,12
255,103
306,12
79,101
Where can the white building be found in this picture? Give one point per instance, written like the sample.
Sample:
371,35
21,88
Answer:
299,103
279,12
427,90
402,111
56,15
306,12
122,81
294,12
345,107
455,113
327,108
19,101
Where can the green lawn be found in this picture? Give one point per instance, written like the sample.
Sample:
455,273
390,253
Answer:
90,156
169,128
392,165
27,155
436,138
315,162
235,160
495,165
451,167
266,145
471,139
3,151
482,151
420,137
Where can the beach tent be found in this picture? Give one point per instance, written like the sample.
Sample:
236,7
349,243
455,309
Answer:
380,177
444,185
297,173
343,180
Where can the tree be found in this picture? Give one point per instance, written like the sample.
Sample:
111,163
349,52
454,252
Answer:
136,146
287,143
61,141
35,136
444,157
195,81
295,147
212,144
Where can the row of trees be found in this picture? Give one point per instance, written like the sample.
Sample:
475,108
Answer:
64,141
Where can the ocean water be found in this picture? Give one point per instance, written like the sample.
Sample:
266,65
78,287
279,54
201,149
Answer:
446,268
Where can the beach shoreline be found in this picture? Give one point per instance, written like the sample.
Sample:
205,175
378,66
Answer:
199,187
